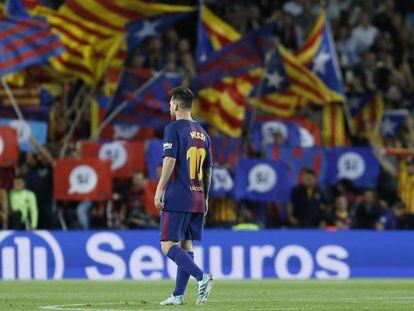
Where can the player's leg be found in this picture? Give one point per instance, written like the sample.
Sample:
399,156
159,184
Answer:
169,238
194,232
182,276
174,299
172,249
173,228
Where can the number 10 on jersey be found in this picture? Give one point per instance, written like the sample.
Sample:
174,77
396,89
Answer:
196,158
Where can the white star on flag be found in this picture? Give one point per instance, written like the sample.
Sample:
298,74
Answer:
203,56
148,29
320,62
354,103
274,79
388,127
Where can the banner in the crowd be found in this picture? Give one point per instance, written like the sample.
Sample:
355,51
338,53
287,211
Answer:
26,130
126,157
82,179
126,131
153,158
299,158
222,183
310,132
262,180
226,150
282,254
280,133
357,164
9,148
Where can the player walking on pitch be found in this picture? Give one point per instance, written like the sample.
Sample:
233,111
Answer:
182,194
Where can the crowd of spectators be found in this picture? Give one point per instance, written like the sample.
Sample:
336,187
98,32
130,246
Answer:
375,46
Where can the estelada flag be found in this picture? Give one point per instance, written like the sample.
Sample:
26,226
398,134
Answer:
82,179
126,157
9,147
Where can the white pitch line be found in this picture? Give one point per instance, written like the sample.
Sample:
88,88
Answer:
76,307
85,307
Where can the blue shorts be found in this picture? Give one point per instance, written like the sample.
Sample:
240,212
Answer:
181,226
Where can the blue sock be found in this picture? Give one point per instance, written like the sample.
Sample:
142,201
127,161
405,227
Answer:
182,279
184,261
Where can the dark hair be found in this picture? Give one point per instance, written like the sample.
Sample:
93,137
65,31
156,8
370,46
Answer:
183,97
307,170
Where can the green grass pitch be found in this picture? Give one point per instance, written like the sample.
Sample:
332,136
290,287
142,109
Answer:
373,294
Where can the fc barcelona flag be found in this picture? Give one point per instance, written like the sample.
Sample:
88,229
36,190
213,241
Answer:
148,102
9,147
24,42
126,157
123,127
299,158
85,179
226,150
262,180
357,164
235,59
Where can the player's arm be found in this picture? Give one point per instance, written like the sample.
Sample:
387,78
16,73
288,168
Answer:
167,168
169,153
207,172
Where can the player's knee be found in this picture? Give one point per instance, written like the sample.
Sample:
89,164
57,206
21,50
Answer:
165,247
187,246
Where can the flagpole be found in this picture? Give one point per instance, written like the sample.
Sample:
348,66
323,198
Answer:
76,121
122,106
12,99
260,88
348,117
267,62
87,100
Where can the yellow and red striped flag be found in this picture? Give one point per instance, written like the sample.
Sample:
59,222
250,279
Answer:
333,125
222,105
318,54
93,33
366,111
288,84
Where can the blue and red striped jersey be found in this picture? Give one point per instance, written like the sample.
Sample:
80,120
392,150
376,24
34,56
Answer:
189,144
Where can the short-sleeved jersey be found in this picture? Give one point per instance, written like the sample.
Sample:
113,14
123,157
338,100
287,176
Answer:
189,144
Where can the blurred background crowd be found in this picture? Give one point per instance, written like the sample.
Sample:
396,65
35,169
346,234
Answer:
375,49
